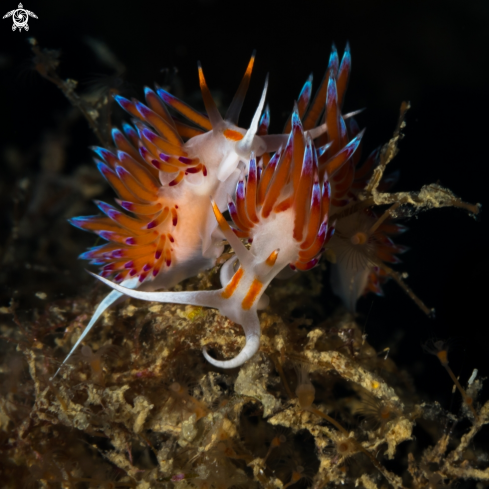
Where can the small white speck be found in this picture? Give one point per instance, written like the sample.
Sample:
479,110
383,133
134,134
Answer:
41,295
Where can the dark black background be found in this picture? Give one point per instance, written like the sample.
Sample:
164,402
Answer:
433,53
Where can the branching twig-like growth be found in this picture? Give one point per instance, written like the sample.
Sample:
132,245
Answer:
46,62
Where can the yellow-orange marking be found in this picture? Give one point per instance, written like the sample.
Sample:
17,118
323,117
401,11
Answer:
233,284
250,298
233,135
270,261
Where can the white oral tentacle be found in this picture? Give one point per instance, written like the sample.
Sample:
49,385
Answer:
101,308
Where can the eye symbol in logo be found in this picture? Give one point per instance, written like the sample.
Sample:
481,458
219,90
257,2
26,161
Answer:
20,16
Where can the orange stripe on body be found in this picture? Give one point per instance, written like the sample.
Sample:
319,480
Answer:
233,135
270,261
233,284
251,296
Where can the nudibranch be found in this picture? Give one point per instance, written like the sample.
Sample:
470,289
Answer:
281,204
285,214
361,245
361,242
164,172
